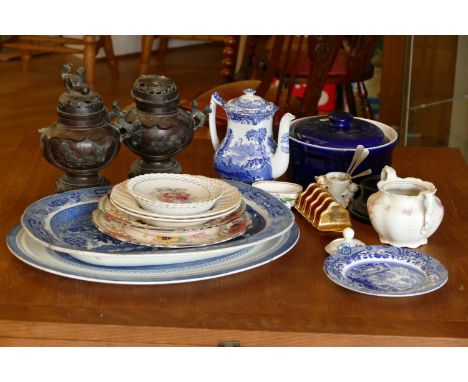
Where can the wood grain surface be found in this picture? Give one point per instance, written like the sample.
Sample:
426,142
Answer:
287,302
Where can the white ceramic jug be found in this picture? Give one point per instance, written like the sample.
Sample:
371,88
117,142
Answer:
248,152
405,211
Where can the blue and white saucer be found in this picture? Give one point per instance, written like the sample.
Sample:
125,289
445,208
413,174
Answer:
33,253
385,271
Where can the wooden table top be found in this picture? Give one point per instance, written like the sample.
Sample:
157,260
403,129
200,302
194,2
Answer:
287,302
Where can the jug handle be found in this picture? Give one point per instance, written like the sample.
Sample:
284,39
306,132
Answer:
388,173
429,201
215,100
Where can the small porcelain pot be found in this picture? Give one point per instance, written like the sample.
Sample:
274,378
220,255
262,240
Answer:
339,186
405,211
284,191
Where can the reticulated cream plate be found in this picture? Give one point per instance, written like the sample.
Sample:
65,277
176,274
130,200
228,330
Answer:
175,194
108,208
229,201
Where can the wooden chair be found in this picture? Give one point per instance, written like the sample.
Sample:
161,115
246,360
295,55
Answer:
91,45
275,77
353,64
231,44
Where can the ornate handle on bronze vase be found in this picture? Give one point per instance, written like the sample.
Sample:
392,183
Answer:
109,115
126,128
197,114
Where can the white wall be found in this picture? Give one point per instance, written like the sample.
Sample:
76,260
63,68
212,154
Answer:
459,120
132,44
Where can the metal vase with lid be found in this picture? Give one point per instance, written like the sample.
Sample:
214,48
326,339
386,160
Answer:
84,140
156,128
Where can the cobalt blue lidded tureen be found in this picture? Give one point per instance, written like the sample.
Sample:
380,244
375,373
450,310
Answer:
323,144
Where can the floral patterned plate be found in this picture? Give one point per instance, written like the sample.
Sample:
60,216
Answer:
385,271
175,194
31,252
171,239
108,208
229,201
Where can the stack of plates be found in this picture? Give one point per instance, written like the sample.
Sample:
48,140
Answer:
57,235
121,215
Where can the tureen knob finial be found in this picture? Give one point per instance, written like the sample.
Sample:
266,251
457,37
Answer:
250,91
348,234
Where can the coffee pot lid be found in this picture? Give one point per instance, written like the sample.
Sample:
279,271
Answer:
249,103
155,90
79,100
337,130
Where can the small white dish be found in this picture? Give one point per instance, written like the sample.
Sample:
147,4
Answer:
174,194
285,191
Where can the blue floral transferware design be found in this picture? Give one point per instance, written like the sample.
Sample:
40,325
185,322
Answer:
248,153
385,271
67,225
34,254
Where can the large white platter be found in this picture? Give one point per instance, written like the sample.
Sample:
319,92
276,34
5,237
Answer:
63,222
31,252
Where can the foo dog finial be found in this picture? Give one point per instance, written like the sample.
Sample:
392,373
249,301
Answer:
74,82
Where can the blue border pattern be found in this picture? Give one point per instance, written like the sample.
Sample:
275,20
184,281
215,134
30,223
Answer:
385,271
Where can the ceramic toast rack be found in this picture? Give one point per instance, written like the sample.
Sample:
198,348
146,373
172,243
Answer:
322,210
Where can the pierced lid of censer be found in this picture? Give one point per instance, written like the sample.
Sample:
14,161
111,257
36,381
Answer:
79,101
155,93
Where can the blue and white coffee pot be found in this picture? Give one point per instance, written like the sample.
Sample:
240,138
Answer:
248,152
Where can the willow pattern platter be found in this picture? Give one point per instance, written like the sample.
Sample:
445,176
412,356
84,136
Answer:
36,255
63,222
385,271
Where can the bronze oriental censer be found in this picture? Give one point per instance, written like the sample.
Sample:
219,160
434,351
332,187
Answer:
84,140
156,128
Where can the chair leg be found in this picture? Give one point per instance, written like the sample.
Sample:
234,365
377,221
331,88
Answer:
89,59
363,95
146,45
339,97
111,60
25,61
163,44
230,51
350,101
